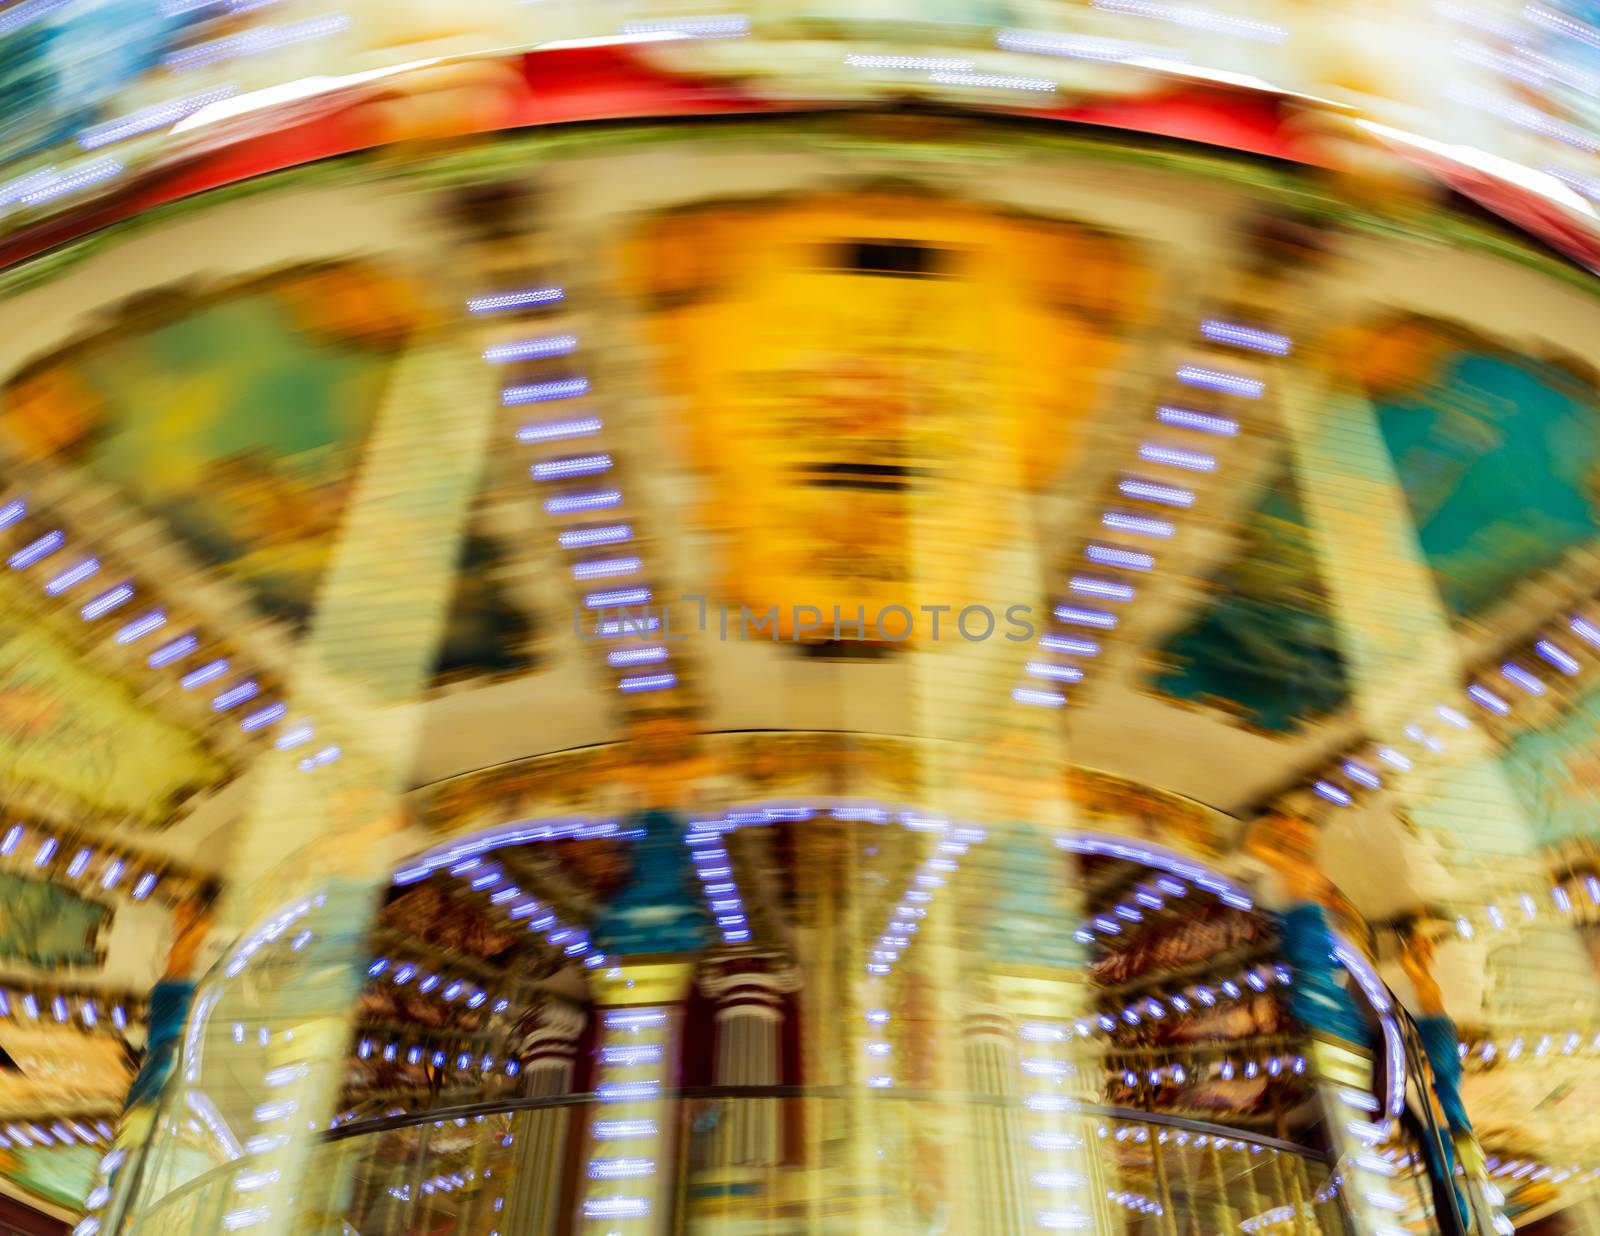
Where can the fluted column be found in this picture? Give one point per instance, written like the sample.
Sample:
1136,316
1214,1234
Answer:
749,992
548,1054
989,1052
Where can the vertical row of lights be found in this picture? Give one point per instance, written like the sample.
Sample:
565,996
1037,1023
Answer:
892,942
582,494
1060,1152
1151,494
626,1133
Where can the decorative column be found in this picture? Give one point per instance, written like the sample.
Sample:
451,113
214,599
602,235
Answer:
548,1054
1044,1170
650,931
170,1000
1340,1046
633,1133
1000,1185
313,845
749,991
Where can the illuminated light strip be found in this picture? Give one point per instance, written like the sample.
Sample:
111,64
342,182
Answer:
1530,118
262,717
141,626
555,431
544,392
589,538
1488,699
1110,590
647,682
1127,559
175,8
1576,30
207,672
994,81
73,576
168,653
1069,644
526,299
1196,19
565,469
1392,757
1219,380
42,548
919,63
531,349
1362,776
599,500
1042,699
1515,673
294,737
1245,337
606,567
234,696
147,119
1192,461
1138,524
106,602
1075,47
1586,631
1149,491
613,628
621,657
1332,793
253,42
569,941
623,1130
1058,673
1557,657
1585,185
1200,422
26,13
1078,616
616,598
731,26
51,182
616,1207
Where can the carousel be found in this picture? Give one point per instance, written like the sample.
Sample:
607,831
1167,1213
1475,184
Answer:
811,618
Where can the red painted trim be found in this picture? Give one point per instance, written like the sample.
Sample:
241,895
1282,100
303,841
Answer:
23,1220
613,83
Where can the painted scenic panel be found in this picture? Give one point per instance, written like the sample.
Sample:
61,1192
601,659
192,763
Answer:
1265,650
1498,456
85,738
235,418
